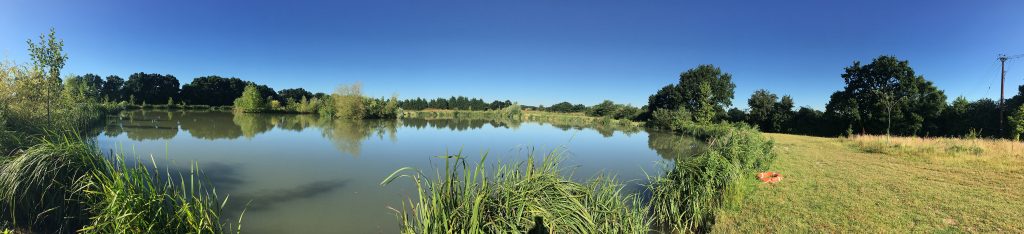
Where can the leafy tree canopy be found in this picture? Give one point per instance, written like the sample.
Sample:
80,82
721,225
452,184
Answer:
704,91
151,88
887,96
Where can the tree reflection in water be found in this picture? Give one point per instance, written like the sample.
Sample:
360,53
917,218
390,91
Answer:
346,135
671,146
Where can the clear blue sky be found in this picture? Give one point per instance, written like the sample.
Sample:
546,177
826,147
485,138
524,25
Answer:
536,52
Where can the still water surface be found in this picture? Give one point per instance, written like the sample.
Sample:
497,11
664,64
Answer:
305,174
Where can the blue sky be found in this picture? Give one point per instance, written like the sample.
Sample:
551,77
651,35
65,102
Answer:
536,52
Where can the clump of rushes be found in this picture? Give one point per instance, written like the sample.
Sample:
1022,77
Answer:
66,185
686,197
514,198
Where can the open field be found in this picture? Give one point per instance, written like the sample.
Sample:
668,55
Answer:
863,184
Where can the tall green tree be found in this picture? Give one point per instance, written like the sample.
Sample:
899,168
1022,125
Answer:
955,118
704,91
770,113
113,88
151,88
86,86
886,96
79,87
809,121
214,90
762,107
983,117
48,58
295,94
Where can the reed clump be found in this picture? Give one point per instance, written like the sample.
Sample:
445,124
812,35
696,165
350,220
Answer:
687,196
517,197
65,185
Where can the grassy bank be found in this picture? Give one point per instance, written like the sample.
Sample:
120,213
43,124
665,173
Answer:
875,184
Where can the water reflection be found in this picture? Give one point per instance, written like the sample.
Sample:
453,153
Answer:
459,124
144,125
210,125
671,146
348,135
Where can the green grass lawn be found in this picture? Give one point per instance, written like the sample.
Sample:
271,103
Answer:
834,185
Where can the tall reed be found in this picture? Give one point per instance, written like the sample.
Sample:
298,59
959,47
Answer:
65,185
517,197
687,196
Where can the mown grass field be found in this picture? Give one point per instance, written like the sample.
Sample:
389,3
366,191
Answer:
879,185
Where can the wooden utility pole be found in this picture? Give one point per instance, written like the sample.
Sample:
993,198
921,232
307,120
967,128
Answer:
1002,86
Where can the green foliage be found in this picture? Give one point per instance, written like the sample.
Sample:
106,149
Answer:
954,118
609,109
669,119
348,102
452,103
769,113
809,121
704,91
687,197
303,105
31,110
605,108
251,101
736,115
566,107
113,89
295,94
151,88
516,196
214,90
1016,123
886,96
88,86
381,108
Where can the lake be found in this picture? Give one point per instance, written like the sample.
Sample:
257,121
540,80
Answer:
305,174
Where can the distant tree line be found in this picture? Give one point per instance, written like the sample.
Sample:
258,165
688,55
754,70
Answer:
452,103
152,88
885,96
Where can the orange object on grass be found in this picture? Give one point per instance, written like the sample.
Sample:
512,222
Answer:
769,177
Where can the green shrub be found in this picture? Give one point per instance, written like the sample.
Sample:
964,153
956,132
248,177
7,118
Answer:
381,108
668,119
349,102
250,101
